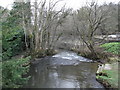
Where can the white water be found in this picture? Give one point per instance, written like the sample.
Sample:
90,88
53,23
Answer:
71,56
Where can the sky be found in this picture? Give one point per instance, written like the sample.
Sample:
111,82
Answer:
75,4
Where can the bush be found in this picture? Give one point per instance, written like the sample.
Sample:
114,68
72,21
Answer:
12,43
12,72
113,47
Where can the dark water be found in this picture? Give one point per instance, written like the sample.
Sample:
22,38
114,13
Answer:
64,70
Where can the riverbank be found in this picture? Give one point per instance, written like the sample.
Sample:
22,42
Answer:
108,76
37,60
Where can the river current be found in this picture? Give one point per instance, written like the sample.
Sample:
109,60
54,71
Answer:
64,70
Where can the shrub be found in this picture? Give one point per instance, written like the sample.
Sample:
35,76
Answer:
12,43
12,72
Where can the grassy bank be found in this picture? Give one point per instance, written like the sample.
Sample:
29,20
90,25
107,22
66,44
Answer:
113,47
107,53
109,78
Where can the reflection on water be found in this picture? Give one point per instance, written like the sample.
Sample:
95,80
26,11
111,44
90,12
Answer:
48,75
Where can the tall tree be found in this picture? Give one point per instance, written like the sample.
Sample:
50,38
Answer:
13,30
46,22
89,19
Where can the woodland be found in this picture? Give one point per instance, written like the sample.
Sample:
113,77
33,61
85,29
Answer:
36,30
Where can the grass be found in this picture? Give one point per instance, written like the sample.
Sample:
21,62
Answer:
113,47
111,80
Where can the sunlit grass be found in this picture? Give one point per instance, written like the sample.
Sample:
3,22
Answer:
113,47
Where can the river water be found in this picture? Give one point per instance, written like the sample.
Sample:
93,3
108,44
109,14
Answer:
64,70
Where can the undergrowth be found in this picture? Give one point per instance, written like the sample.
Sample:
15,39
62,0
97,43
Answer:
13,71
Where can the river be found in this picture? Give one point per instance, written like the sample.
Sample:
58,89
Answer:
64,70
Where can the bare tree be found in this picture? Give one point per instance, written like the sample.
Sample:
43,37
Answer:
46,22
89,19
